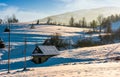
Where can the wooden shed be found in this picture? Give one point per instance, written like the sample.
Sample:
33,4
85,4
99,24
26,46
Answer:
43,53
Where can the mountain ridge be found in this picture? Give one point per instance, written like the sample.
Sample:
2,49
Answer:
89,14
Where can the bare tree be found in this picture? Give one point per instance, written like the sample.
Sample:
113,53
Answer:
11,19
49,20
14,19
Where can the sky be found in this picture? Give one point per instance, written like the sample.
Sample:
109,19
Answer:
29,10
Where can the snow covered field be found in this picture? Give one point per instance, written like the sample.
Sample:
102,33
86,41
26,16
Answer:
80,62
79,70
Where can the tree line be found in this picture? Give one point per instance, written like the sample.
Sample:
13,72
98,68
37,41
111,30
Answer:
9,19
99,21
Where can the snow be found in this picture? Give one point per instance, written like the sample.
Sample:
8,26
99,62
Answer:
79,70
81,62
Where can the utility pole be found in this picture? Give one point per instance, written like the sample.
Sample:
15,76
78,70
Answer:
69,44
9,49
24,69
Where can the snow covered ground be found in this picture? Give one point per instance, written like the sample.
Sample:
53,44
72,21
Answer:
80,62
80,70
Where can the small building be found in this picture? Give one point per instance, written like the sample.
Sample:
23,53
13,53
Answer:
43,53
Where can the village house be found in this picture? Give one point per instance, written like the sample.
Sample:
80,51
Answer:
43,53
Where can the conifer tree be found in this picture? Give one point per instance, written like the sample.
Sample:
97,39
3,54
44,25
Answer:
108,28
71,22
84,23
93,25
100,19
37,22
49,21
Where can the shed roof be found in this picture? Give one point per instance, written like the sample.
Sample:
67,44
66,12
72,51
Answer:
47,50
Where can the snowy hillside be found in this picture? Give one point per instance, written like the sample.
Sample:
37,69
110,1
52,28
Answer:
73,63
85,62
89,14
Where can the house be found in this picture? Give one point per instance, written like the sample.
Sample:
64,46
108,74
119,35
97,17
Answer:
43,53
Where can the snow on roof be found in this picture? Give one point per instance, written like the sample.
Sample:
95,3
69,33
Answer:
47,50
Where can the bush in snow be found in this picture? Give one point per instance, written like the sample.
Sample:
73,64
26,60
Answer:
32,27
86,43
7,29
106,39
2,45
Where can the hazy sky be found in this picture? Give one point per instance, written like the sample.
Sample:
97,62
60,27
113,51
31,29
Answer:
28,10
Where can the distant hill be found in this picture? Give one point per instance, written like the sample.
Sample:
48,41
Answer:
89,14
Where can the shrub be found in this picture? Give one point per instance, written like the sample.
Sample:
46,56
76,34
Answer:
32,26
7,29
86,43
56,41
106,39
2,45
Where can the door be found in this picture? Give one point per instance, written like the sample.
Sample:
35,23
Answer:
40,60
